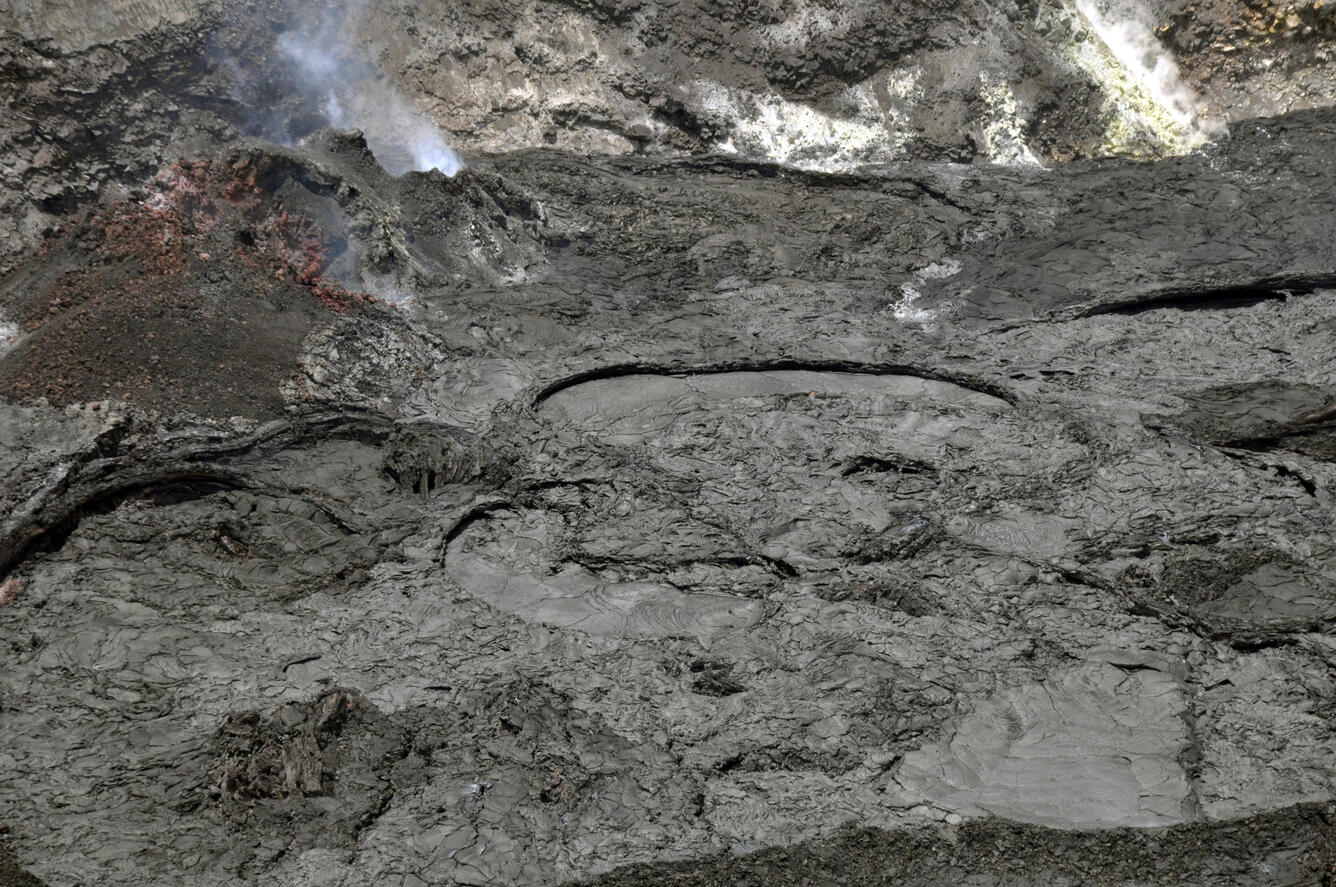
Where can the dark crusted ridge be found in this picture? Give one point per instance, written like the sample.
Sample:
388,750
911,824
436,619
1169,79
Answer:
886,465
102,478
778,566
1239,295
11,875
733,165
1317,427
1291,846
471,515
479,511
1319,422
175,486
900,179
617,371
1248,451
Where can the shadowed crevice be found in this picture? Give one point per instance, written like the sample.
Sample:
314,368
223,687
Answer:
618,371
1246,295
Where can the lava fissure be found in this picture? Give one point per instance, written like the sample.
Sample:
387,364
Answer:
1245,295
886,465
618,371
51,526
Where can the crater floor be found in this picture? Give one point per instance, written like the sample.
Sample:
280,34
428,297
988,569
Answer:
636,520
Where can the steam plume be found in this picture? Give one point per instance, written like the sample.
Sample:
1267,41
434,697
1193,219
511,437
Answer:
349,92
1125,27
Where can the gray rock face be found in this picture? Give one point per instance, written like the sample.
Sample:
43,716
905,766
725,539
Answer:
653,519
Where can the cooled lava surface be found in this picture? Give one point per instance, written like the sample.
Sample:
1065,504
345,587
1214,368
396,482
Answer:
753,465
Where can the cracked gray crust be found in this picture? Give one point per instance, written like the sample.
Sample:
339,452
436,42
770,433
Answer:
702,520
639,573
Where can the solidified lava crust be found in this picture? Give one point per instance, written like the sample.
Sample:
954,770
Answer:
807,443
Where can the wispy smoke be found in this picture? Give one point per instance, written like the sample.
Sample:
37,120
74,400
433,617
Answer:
349,92
1126,28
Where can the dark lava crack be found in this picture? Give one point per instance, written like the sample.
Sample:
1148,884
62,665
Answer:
777,366
1220,297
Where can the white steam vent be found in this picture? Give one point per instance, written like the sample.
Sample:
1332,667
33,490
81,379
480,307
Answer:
353,94
1126,30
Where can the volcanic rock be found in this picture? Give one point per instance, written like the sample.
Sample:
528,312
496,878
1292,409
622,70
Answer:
817,443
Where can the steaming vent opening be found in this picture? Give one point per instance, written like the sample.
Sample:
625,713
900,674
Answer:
1142,75
345,91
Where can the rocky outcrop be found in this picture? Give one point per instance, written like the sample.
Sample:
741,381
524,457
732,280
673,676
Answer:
97,96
